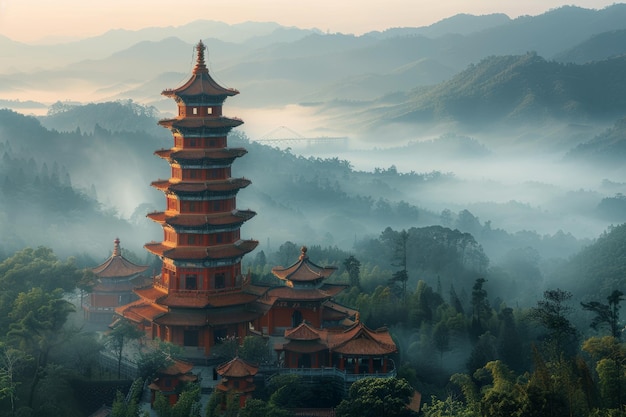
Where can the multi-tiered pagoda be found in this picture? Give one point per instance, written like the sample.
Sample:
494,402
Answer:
201,294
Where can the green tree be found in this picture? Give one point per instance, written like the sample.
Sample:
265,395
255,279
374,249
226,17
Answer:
551,313
377,397
118,337
38,328
353,266
481,310
606,314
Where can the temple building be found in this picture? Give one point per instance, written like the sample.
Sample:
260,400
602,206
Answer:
115,280
304,296
354,350
201,295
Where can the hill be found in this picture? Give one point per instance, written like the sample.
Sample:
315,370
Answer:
512,90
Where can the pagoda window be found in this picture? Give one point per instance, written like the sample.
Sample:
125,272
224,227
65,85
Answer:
192,142
195,110
211,143
191,239
191,206
193,174
220,280
209,110
191,282
219,238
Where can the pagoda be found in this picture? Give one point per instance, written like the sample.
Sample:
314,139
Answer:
201,295
115,280
237,379
305,296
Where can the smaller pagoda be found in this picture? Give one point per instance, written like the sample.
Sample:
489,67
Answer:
304,297
170,380
115,280
238,379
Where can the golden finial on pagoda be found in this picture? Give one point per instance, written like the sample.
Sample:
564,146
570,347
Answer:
303,250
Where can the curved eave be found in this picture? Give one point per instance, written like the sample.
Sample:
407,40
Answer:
198,122
234,218
233,184
200,84
303,271
227,155
193,253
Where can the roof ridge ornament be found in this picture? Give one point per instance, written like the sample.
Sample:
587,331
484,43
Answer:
116,247
200,64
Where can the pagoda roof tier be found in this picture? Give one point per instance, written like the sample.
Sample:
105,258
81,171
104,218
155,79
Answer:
360,340
200,83
116,266
177,368
303,270
213,186
151,293
227,155
237,368
199,299
140,311
227,251
196,122
201,318
214,220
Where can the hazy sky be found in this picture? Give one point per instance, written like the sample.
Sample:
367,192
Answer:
34,20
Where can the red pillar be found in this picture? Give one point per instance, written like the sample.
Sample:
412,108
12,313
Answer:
371,365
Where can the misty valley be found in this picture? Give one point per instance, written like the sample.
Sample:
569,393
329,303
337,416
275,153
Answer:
475,206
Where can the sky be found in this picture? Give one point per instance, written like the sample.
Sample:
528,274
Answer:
36,21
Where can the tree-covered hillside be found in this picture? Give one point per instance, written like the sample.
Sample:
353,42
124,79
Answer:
516,90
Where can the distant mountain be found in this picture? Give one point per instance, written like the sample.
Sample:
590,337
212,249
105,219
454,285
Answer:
515,89
460,24
597,48
606,148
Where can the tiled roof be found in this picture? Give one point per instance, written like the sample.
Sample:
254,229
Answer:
360,340
150,293
139,311
234,217
177,368
303,270
231,184
117,267
200,83
228,251
237,368
302,332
